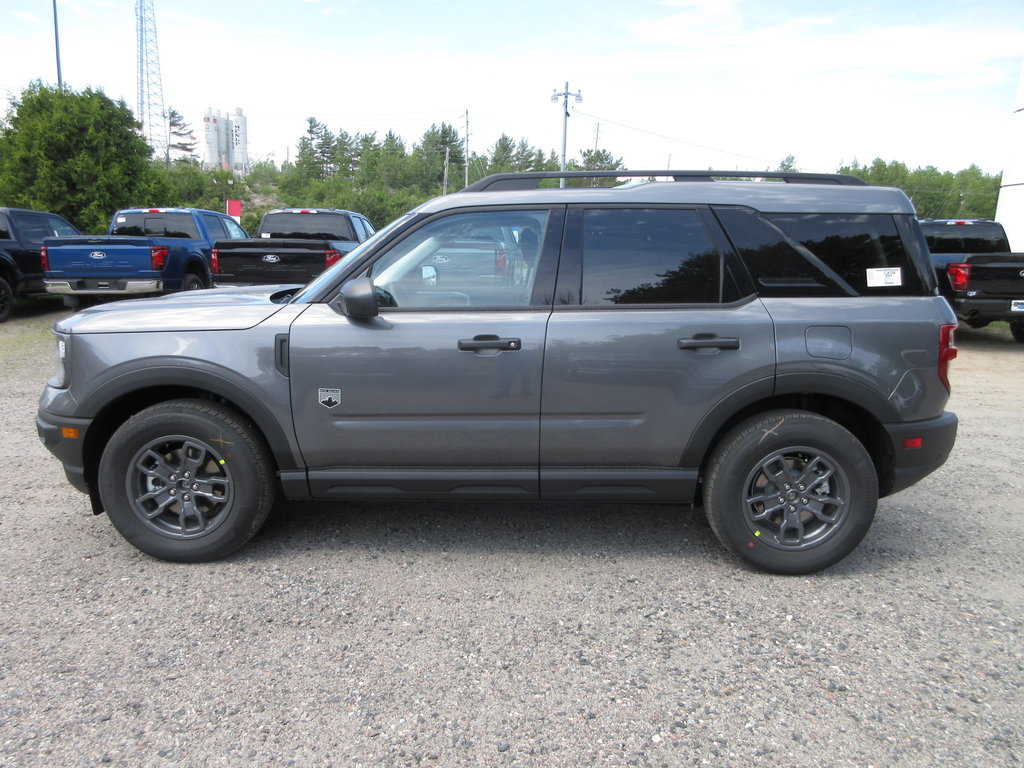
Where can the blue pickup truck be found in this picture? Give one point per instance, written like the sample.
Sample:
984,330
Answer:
146,251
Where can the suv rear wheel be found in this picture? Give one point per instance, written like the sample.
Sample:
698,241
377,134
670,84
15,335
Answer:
186,480
790,491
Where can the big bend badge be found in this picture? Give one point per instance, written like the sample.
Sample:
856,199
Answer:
329,398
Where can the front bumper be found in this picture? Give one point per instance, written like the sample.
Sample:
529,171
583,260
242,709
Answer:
94,286
56,434
920,447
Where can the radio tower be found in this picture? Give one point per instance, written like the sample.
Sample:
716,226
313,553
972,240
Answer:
151,89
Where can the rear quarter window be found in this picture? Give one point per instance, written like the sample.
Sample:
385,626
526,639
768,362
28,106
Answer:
823,254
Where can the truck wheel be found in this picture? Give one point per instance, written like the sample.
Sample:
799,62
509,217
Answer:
191,282
6,299
790,491
1017,329
186,480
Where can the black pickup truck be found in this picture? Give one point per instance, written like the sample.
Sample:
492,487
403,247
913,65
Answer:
292,245
979,276
21,237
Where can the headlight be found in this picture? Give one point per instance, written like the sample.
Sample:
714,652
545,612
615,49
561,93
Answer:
59,377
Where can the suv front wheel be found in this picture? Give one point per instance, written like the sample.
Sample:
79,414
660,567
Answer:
790,491
186,480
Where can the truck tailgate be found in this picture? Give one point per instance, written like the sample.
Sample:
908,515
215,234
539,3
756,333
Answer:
113,256
269,261
995,275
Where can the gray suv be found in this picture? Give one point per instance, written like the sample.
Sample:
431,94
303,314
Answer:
771,348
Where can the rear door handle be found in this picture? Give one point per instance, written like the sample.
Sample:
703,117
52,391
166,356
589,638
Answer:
488,341
708,342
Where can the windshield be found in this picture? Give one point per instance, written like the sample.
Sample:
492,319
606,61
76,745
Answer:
329,275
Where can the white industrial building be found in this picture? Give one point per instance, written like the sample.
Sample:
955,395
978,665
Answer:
1010,207
225,142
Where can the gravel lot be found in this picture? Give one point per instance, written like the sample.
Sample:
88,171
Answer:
493,635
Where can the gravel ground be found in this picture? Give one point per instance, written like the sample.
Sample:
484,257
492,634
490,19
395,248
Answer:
493,635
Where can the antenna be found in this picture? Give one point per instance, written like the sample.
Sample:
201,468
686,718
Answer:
150,103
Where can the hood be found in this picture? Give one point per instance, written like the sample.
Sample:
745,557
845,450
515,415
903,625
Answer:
215,309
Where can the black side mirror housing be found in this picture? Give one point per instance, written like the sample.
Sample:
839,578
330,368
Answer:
356,298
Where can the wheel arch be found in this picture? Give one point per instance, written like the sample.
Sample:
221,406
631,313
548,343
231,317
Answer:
196,264
119,399
857,409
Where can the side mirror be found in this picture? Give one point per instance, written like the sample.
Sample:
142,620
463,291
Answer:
429,275
356,298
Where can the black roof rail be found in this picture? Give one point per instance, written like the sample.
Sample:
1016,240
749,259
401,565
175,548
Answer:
503,182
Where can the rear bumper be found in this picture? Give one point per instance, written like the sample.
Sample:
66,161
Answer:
92,286
913,460
986,310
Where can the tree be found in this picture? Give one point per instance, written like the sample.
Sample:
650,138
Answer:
967,194
788,164
182,141
78,154
428,159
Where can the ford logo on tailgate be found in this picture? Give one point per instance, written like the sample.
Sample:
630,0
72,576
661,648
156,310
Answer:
98,255
271,258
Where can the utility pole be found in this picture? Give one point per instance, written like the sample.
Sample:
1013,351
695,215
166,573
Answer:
447,158
56,45
465,147
564,95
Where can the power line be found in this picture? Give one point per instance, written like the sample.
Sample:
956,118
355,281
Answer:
672,138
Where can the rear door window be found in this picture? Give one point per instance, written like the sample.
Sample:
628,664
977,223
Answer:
33,227
636,256
215,226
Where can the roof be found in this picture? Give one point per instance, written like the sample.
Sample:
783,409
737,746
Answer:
786,193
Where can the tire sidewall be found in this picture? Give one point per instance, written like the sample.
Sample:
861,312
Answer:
246,460
753,441
6,299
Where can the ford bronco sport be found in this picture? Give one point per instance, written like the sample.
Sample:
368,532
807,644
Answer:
772,348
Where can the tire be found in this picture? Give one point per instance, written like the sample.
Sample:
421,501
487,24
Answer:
6,299
1017,330
186,480
192,282
823,476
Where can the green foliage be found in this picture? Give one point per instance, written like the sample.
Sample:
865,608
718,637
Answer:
182,144
81,155
78,154
967,194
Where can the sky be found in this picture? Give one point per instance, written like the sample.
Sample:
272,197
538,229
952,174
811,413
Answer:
725,84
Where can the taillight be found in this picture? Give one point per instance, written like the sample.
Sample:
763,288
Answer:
500,260
44,257
331,256
947,351
215,261
158,256
959,276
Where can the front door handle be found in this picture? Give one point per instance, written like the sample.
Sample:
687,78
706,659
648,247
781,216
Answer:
488,341
702,341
